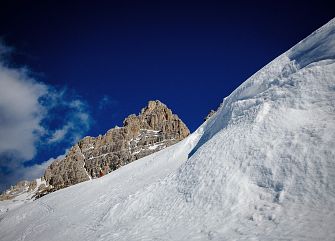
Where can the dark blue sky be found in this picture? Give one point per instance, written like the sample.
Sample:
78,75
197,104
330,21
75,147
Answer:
189,55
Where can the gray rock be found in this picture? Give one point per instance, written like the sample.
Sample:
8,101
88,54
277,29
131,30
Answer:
155,128
212,112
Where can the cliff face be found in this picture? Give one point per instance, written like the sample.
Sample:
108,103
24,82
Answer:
155,128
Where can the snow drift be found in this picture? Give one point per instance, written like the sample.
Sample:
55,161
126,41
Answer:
261,168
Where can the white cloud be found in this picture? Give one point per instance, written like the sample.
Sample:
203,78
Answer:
20,112
33,114
76,121
59,134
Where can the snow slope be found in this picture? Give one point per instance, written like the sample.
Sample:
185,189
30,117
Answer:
21,197
261,168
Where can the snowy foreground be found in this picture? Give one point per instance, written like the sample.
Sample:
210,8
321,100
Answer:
261,168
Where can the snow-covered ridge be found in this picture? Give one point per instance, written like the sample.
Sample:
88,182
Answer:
320,45
261,168
23,193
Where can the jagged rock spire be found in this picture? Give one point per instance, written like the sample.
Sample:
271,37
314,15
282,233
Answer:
153,129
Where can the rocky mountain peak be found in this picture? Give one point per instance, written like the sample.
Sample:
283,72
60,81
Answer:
153,129
157,116
154,105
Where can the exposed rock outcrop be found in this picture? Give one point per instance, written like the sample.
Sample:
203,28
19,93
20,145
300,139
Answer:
22,186
26,189
212,112
155,128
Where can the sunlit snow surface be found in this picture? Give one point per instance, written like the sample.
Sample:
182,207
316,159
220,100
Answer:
261,168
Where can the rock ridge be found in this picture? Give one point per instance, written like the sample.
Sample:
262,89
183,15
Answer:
154,128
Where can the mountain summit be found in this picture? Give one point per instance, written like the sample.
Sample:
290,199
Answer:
260,168
153,129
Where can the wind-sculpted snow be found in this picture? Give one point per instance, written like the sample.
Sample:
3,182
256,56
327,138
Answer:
309,50
261,168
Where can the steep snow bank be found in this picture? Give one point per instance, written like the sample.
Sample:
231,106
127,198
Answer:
261,168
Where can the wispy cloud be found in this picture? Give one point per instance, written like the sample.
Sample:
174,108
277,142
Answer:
33,114
105,102
59,135
75,119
